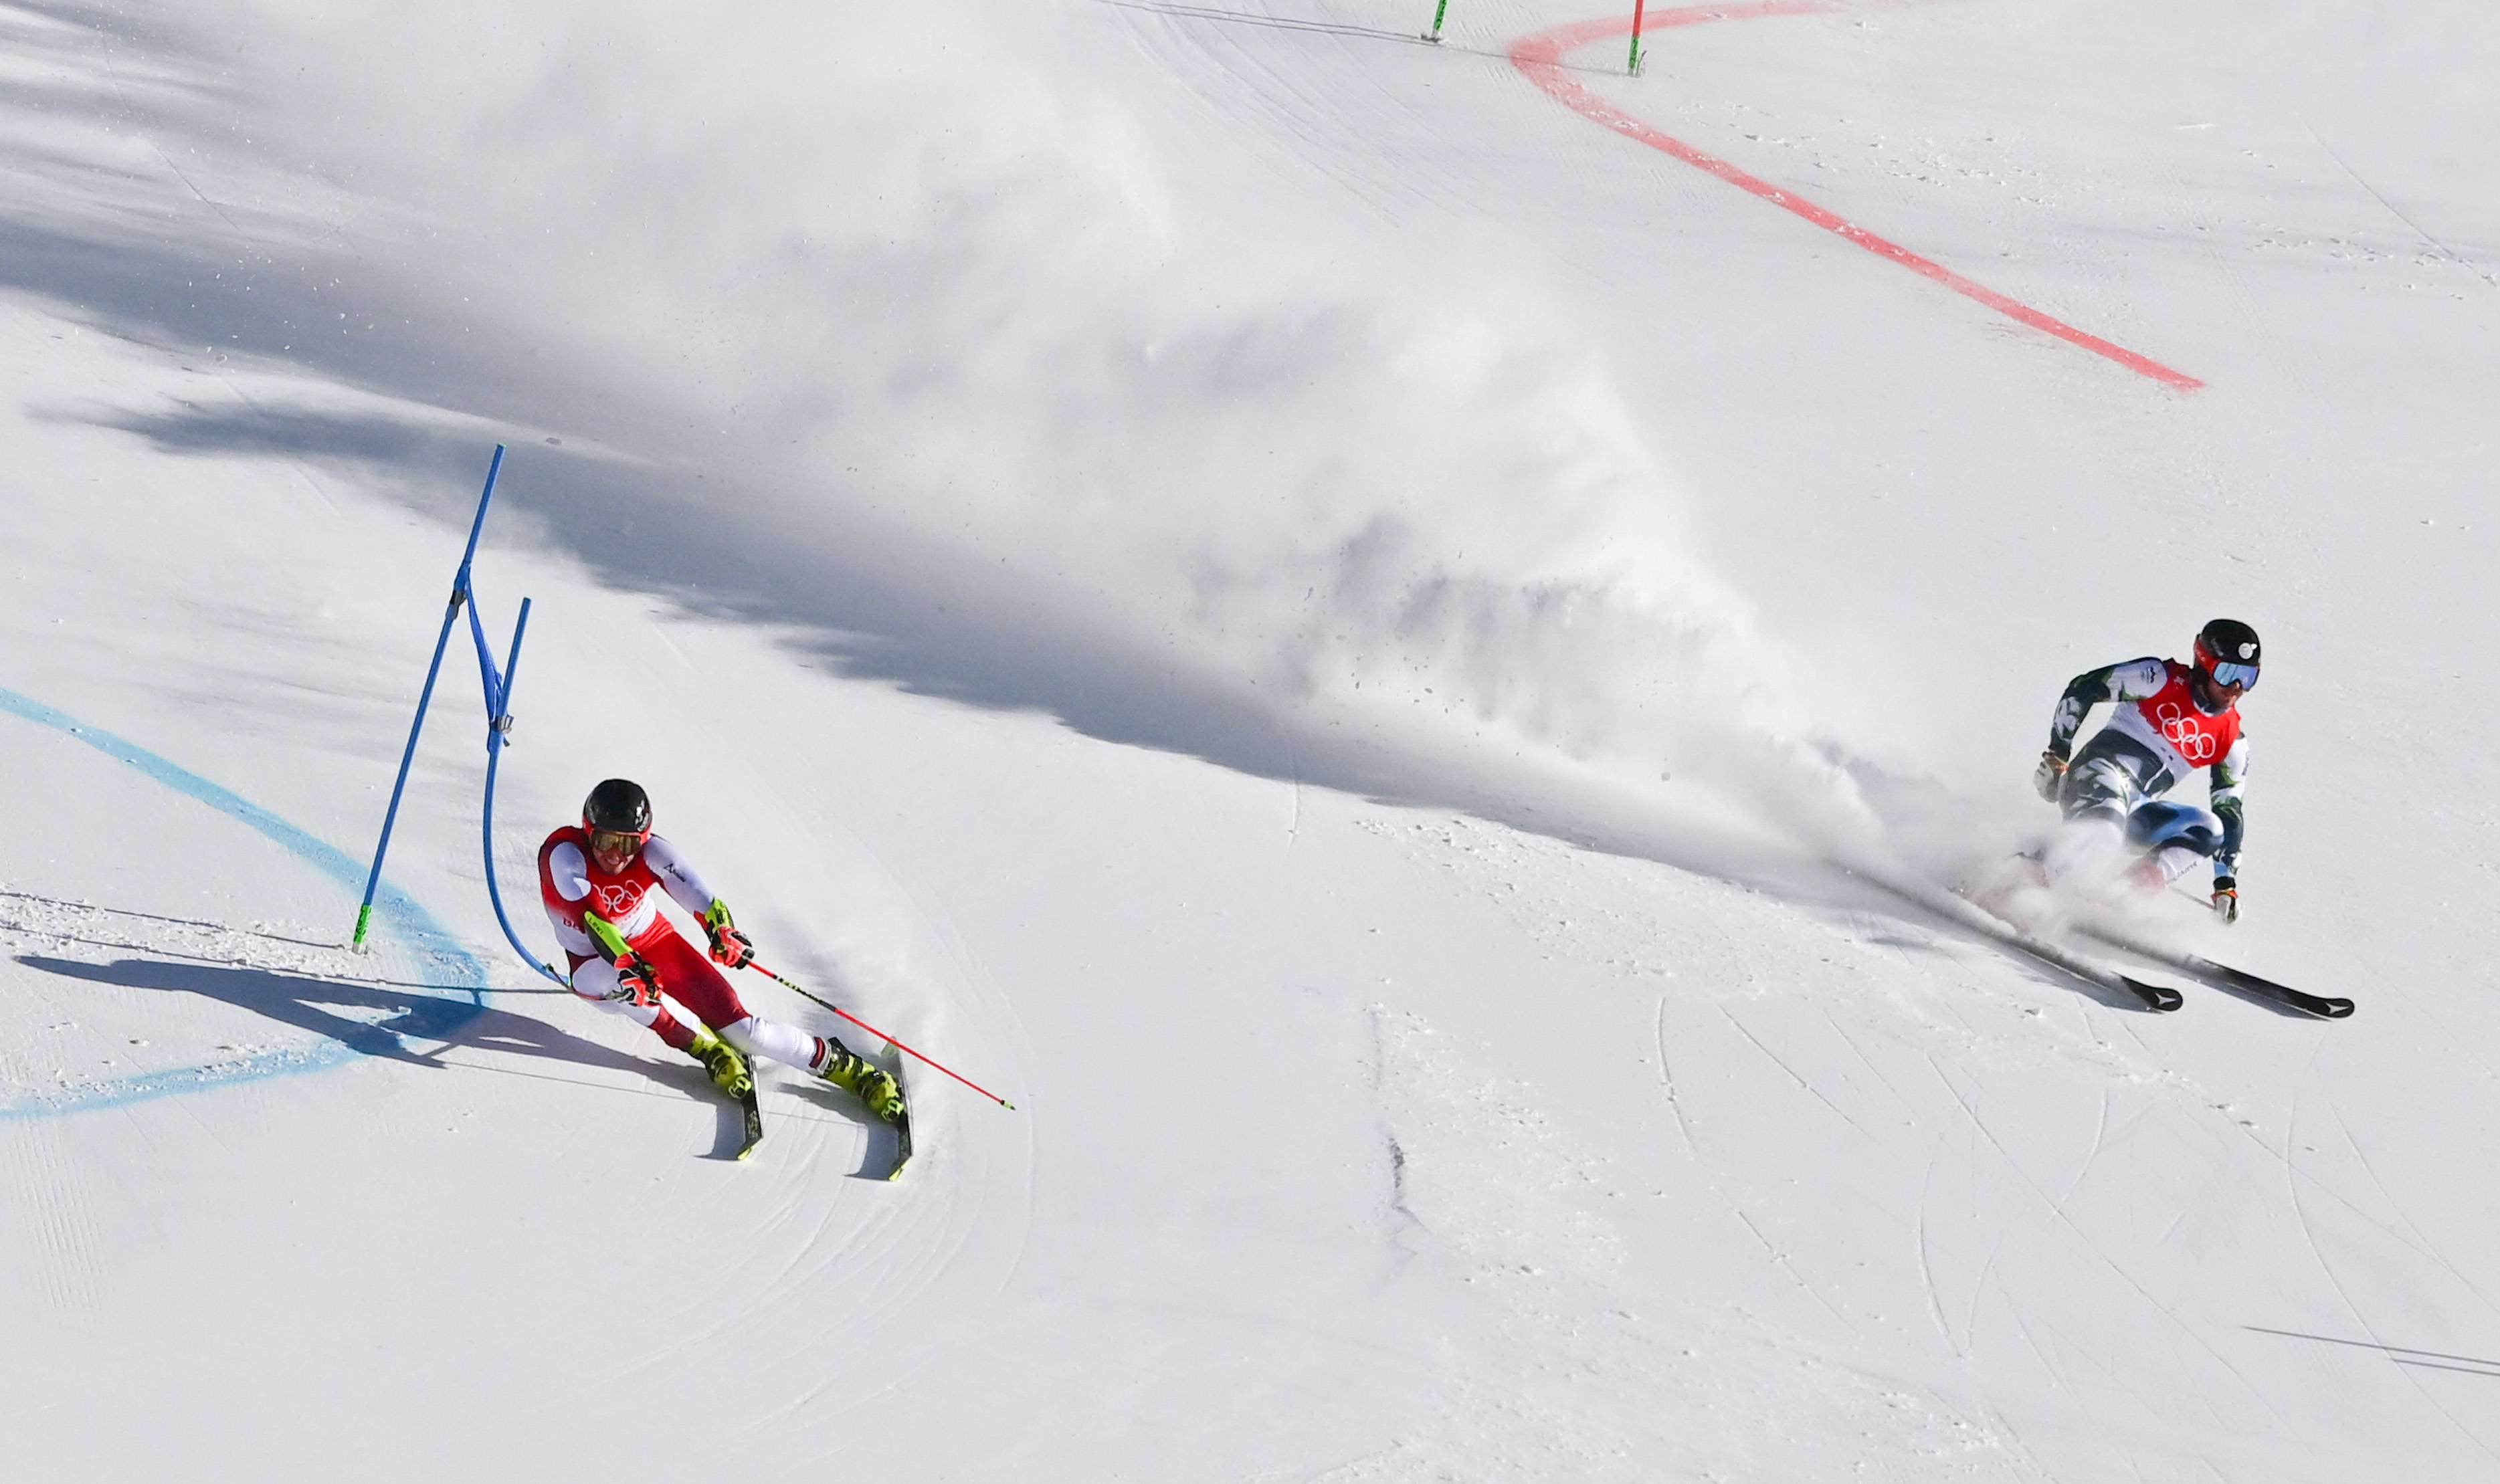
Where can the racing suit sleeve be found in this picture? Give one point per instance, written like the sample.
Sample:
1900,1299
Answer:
564,890
2134,680
683,886
2224,781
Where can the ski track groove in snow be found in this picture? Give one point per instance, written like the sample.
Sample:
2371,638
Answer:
2344,1294
2417,1240
1781,1258
2361,1318
1727,1199
1808,1087
2100,1138
48,1180
2372,191
1926,1265
1863,1060
2153,1305
2410,1236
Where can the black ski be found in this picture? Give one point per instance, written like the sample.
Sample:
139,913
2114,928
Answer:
2223,977
2157,996
754,1116
1961,909
902,1132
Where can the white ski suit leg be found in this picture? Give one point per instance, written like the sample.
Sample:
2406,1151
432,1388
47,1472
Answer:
785,1044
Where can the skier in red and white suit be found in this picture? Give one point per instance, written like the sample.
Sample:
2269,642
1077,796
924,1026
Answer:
602,880
2171,720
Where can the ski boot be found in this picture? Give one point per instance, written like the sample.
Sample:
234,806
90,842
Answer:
729,1070
855,1074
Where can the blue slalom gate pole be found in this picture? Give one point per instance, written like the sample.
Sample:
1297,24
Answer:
499,727
450,615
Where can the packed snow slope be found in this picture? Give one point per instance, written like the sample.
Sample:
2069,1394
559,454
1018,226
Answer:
1328,614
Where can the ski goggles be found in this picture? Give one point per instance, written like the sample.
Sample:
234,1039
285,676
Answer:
618,842
2229,673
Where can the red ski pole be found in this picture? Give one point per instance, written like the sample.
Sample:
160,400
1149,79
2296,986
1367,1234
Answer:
880,1035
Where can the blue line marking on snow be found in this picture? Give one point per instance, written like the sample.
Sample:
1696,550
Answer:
433,946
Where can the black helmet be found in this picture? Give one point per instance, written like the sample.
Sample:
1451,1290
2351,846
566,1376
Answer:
2227,650
619,805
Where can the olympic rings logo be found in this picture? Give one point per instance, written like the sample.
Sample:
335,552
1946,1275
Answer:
615,901
2194,743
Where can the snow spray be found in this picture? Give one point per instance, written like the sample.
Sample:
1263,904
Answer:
913,343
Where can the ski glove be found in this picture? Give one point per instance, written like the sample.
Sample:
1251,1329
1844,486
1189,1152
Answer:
635,980
2050,775
2226,899
729,946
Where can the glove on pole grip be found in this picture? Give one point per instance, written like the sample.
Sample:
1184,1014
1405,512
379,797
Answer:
636,979
729,946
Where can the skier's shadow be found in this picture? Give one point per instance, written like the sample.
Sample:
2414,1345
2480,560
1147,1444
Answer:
299,1000
305,1001
881,1136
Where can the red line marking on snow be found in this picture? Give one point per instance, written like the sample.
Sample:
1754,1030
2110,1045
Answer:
1540,57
